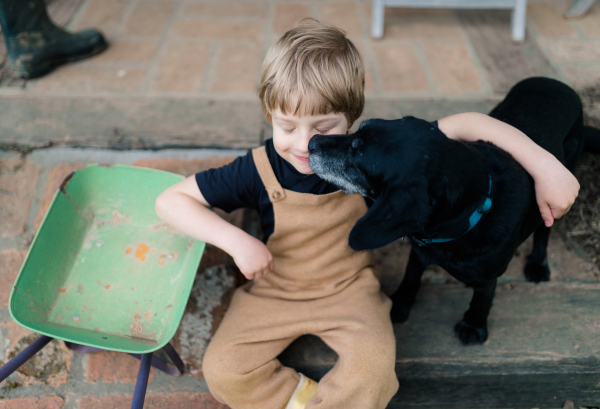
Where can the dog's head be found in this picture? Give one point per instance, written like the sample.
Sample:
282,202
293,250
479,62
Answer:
387,161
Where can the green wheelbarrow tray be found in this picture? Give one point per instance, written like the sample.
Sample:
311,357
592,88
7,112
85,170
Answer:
103,270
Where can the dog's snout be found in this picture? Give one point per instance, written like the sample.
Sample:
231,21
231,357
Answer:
314,142
311,144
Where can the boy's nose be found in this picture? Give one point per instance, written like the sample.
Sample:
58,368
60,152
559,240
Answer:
303,143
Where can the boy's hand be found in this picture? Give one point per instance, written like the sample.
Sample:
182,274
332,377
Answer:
555,190
253,258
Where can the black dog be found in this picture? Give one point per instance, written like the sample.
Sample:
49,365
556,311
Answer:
465,206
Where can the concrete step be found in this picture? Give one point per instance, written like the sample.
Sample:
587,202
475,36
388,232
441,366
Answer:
169,123
543,348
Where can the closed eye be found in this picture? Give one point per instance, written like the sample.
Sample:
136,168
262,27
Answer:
323,132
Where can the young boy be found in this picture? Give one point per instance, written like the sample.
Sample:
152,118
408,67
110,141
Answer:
305,279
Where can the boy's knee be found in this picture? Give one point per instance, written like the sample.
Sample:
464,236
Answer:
385,364
222,373
383,370
216,370
380,357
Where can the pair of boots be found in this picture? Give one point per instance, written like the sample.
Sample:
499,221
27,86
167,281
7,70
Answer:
35,45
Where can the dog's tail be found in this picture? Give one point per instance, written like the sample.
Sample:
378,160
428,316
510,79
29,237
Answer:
591,139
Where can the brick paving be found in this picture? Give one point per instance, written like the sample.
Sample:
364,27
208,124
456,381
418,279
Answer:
154,401
46,402
205,51
109,366
10,263
16,178
214,49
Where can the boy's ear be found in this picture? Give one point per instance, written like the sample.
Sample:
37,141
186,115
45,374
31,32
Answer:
398,212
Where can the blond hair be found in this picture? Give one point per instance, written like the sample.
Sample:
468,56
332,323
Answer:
313,70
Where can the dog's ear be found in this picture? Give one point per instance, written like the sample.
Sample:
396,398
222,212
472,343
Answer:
399,211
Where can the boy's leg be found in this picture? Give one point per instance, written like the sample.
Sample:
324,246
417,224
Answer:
240,365
356,324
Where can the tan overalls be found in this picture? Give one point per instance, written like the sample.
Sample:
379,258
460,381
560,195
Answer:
319,287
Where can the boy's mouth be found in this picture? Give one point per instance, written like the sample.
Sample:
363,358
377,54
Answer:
302,159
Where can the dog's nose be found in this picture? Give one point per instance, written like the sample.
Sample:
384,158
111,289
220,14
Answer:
323,141
312,144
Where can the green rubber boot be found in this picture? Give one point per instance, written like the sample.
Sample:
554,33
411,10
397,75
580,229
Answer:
34,45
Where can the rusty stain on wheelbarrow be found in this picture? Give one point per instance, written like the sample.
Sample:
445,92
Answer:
141,251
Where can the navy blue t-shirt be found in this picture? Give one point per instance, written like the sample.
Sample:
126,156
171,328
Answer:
238,185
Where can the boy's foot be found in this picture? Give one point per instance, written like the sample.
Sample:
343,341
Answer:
304,391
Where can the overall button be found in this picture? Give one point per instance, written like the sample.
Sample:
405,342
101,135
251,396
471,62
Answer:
276,195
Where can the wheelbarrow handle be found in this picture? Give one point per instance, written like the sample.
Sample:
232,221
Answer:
24,356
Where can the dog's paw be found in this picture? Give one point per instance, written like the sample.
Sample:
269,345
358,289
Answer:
470,334
399,313
535,272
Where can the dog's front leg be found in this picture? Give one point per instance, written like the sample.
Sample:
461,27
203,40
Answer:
536,269
406,294
473,328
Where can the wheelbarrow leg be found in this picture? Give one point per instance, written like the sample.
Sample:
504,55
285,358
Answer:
164,366
159,364
24,356
141,384
175,358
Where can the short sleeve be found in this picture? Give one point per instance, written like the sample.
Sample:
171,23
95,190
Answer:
232,186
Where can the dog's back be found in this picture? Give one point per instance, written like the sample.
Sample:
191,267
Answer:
550,113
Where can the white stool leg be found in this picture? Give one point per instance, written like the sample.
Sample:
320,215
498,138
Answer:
377,18
579,8
518,20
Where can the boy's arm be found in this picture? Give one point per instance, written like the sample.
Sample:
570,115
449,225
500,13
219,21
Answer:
184,207
555,187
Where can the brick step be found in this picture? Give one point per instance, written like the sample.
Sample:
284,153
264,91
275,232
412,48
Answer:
543,348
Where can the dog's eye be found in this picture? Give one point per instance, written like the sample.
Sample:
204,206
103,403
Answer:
357,143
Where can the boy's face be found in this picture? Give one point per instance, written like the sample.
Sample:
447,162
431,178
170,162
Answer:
291,134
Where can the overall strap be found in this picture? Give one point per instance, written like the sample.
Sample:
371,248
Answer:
261,160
